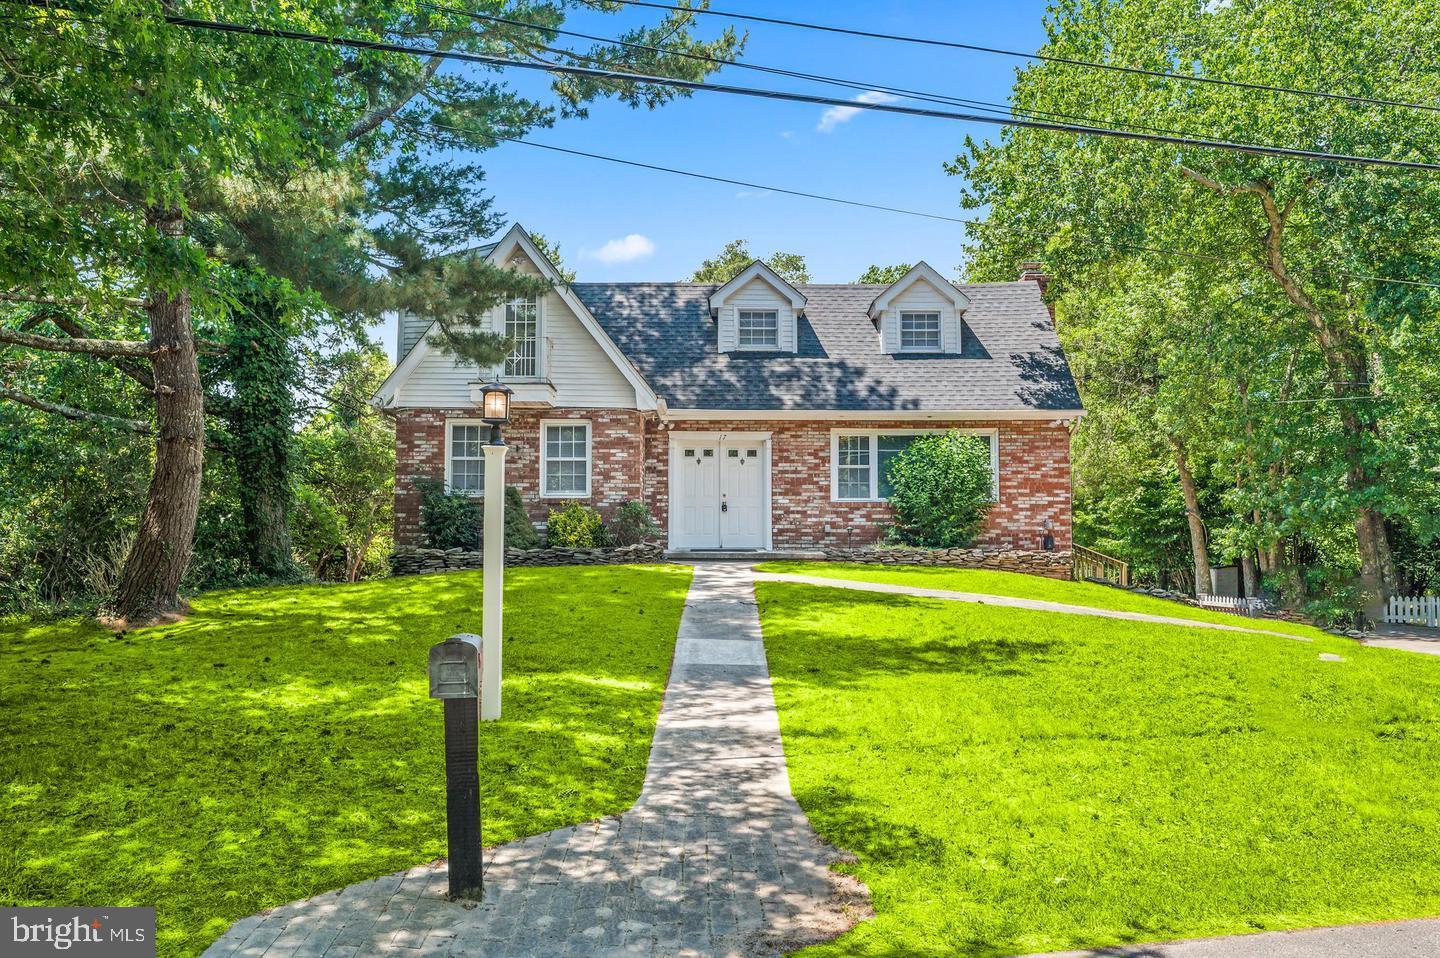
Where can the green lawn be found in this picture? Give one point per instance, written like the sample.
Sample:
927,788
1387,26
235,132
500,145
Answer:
1021,586
280,742
1018,781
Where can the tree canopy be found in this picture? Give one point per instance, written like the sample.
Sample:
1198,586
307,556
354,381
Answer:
1225,306
736,256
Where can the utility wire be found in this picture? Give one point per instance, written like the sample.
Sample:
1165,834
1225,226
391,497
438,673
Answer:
623,77
1049,58
945,99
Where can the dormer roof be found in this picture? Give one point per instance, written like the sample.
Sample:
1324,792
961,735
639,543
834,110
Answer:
920,272
756,270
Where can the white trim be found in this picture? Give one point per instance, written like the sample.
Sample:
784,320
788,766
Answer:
757,268
939,330
545,492
873,415
449,438
874,434
767,446
920,271
756,347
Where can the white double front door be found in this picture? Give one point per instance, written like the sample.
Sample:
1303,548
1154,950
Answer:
719,493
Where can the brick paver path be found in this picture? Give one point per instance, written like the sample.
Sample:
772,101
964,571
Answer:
716,857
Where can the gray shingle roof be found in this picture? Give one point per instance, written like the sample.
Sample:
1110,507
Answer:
1011,359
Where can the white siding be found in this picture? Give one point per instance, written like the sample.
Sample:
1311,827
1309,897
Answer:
569,357
920,296
756,294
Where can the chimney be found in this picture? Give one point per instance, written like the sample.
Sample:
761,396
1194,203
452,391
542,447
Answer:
1032,272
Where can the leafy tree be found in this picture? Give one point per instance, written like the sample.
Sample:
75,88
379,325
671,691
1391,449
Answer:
144,158
552,253
736,256
887,275
941,488
347,480
1299,241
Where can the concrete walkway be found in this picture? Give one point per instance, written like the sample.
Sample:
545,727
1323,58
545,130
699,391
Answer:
1395,939
981,598
715,858
1409,638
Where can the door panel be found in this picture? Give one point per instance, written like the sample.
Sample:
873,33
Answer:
697,496
742,495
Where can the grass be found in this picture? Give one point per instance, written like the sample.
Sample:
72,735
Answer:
280,742
1020,586
1017,781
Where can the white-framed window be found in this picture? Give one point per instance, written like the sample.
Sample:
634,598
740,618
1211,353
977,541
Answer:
465,456
920,332
565,458
861,458
522,327
757,328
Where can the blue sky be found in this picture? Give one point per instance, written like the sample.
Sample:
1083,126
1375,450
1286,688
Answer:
618,223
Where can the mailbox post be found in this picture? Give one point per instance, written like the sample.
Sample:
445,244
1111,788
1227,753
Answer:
455,679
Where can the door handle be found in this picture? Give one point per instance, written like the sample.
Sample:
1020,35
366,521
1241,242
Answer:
724,507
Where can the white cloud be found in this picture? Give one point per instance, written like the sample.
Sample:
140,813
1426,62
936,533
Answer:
624,250
836,115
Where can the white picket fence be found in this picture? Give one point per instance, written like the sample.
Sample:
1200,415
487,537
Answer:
1413,610
1250,607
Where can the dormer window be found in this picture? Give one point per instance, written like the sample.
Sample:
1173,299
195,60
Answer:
920,332
758,329
920,313
522,328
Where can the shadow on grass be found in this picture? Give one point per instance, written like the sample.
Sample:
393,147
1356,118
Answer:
281,742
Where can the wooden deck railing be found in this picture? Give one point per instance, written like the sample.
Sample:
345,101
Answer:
1089,564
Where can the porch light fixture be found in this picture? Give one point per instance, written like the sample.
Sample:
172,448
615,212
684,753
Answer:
495,408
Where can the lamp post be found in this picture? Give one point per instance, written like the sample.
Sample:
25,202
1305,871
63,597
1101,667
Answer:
495,411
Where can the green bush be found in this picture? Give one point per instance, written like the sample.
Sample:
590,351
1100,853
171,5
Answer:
941,488
454,521
633,524
577,527
520,532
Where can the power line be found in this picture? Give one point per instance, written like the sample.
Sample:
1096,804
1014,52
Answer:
382,46
1049,58
1002,108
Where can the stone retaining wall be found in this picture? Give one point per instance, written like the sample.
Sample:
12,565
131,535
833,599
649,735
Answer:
1053,565
411,560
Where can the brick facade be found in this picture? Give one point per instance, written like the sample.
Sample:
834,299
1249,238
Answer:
630,460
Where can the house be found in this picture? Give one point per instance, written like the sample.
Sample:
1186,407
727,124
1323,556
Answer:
750,416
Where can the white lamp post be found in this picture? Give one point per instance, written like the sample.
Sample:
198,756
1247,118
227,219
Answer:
495,411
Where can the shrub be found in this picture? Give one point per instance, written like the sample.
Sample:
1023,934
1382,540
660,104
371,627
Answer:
633,524
520,532
941,490
577,527
454,521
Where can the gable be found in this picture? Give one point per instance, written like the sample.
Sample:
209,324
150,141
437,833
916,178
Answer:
579,361
756,296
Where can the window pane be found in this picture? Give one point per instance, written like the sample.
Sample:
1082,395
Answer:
854,450
521,326
888,448
564,476
467,475
567,455
920,331
854,482
758,327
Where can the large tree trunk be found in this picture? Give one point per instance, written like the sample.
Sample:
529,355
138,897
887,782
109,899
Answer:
150,582
261,417
1199,551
